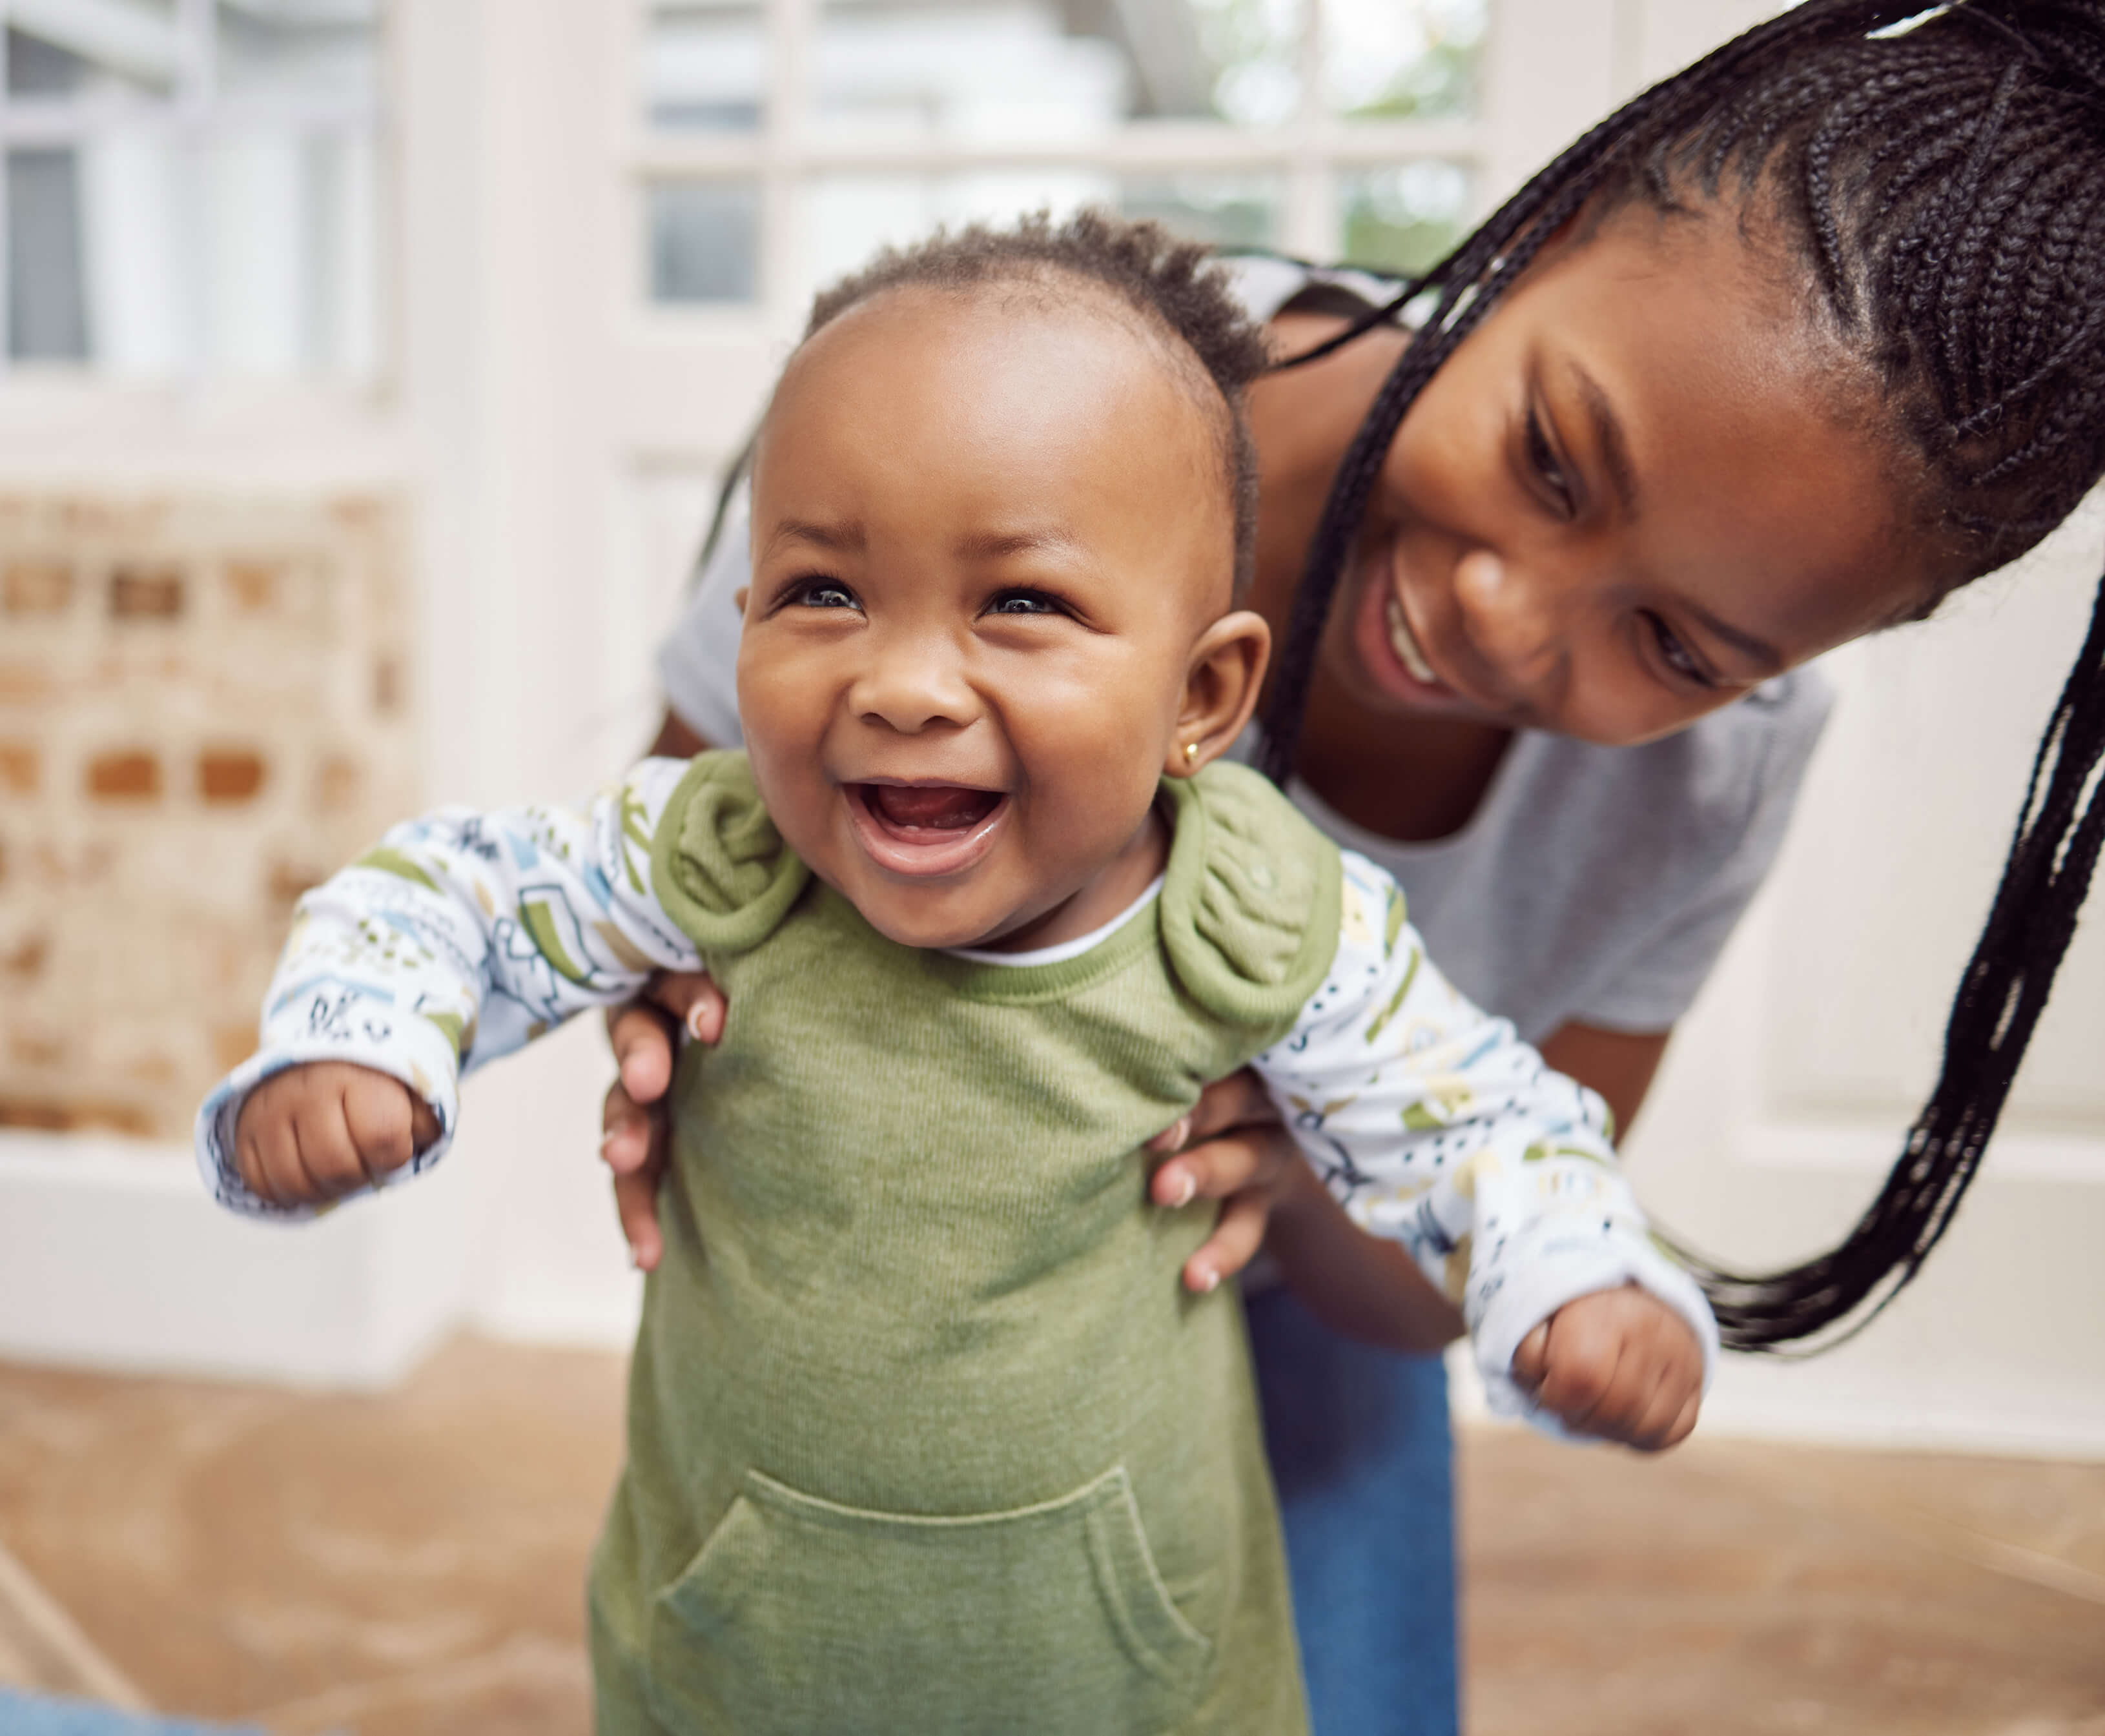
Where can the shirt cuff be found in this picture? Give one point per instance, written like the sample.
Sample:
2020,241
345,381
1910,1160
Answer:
1559,1275
421,1057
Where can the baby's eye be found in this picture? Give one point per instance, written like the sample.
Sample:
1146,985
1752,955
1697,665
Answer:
822,593
1024,602
1676,655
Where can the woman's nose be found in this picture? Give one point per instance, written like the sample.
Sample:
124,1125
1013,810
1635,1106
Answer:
1515,619
913,681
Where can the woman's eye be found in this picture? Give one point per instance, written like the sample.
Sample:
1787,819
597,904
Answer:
1024,603
1676,655
1542,458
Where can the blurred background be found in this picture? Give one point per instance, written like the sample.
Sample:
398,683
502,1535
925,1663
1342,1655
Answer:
370,370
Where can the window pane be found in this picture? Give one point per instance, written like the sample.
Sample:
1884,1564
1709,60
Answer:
1226,211
310,48
847,218
47,300
1400,59
77,48
704,65
704,241
1005,71
251,253
1404,219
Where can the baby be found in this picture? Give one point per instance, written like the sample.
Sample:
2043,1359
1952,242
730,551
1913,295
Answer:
924,1435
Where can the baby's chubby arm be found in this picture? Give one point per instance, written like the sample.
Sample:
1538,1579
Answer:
1436,1128
457,939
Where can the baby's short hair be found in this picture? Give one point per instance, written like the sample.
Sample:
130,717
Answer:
1178,290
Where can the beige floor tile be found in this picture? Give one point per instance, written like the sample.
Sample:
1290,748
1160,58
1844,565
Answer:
412,1565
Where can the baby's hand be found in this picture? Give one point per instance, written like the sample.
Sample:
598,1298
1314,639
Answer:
319,1131
1620,1364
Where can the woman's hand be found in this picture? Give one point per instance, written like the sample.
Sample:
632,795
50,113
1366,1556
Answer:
1232,1148
636,1138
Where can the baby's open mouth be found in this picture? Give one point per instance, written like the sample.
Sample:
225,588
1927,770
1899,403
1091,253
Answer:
926,829
928,807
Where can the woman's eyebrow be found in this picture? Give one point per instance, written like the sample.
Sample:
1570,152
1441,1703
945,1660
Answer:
1608,437
1758,651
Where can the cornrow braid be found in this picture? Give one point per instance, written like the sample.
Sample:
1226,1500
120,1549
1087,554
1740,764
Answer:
1177,290
1942,178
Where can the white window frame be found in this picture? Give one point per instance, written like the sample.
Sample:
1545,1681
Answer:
1549,67
194,109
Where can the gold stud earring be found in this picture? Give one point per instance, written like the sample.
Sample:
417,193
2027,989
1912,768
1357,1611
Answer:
1191,753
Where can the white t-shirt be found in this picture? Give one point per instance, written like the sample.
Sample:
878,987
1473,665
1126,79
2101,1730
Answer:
1593,884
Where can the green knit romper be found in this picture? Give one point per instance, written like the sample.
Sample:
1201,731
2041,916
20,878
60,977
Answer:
926,1438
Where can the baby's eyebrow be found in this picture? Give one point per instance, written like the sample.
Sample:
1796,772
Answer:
998,545
842,539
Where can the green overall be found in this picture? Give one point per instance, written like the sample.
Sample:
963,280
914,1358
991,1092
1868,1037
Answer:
925,1435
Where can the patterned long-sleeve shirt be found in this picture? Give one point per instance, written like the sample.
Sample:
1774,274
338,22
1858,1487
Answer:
464,934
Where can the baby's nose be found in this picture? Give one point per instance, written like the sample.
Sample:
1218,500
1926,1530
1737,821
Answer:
911,684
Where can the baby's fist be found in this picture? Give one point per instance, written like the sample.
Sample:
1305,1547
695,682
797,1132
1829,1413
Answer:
1620,1364
319,1131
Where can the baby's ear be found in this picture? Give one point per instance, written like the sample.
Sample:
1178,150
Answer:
1221,684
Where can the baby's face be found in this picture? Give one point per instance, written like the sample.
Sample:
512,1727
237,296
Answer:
990,532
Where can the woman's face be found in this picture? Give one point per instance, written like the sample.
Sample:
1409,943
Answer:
1631,495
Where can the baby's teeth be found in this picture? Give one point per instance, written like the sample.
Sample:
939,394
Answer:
1406,647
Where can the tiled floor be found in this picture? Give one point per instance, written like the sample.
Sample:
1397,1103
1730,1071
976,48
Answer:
410,1566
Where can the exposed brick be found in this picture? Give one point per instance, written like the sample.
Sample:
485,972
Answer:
145,592
288,879
35,1048
20,768
76,1115
230,775
25,683
22,960
255,586
338,779
37,587
130,774
231,1045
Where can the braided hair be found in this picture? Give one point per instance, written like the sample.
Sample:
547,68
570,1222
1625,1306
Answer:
1177,291
1942,178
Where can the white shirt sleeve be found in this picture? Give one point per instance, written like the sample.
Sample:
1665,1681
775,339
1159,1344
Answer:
459,938
1437,1128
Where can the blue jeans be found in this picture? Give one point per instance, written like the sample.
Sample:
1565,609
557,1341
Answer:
1362,1457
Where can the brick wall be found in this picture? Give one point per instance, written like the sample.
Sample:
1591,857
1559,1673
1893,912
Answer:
204,709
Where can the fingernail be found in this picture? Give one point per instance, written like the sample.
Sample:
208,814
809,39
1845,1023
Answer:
1187,1188
695,1023
1210,1281
1180,1132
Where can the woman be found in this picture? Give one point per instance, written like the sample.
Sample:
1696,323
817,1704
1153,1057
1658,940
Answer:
1784,352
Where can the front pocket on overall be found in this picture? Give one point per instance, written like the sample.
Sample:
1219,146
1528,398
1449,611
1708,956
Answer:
801,1618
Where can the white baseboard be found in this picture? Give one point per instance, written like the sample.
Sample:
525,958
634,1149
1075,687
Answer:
1812,1403
112,1258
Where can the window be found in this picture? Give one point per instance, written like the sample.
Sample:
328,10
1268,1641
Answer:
191,187
779,144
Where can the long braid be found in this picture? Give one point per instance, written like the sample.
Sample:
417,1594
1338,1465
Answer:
1944,179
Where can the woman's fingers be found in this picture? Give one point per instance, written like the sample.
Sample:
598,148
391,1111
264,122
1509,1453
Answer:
1233,1244
1212,1171
636,1204
642,1043
1236,1101
693,1001
624,1132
